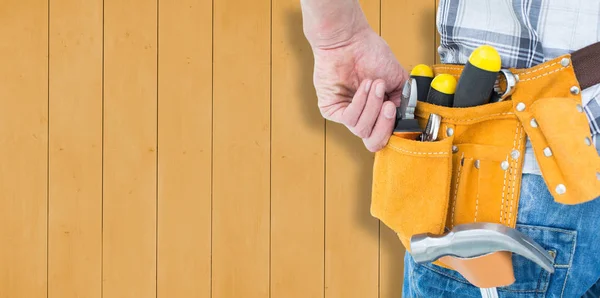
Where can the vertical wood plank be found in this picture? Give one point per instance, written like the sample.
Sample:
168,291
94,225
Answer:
351,233
241,150
130,75
436,33
23,148
297,259
184,139
75,173
417,20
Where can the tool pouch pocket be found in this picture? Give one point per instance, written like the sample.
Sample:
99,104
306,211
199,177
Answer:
564,149
411,184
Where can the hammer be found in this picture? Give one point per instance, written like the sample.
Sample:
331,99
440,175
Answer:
475,240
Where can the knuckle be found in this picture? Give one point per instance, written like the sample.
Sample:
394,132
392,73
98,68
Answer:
364,132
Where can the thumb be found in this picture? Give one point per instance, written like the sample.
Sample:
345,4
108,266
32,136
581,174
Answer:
383,129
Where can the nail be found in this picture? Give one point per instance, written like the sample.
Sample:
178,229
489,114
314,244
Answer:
389,111
379,90
368,86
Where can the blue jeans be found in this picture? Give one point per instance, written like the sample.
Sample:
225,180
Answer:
570,233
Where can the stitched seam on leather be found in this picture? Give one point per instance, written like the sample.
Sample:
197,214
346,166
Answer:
541,68
456,189
448,68
473,119
419,153
503,192
522,130
514,171
543,75
476,203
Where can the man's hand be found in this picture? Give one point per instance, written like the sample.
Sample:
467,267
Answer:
359,84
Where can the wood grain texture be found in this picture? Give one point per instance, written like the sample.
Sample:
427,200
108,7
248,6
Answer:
184,142
351,233
75,173
23,150
417,20
241,150
436,34
130,75
298,136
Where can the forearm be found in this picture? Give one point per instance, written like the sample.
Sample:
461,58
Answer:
331,23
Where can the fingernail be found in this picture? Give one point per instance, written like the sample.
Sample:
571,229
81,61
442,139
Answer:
379,90
368,86
389,111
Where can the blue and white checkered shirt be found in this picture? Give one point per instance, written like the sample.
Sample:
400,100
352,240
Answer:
525,33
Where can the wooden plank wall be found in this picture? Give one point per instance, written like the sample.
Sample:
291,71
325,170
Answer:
174,149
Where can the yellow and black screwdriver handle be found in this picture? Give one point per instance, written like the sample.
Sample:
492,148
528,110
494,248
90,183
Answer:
472,172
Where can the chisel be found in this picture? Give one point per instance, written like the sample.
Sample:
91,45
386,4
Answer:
423,76
442,90
476,83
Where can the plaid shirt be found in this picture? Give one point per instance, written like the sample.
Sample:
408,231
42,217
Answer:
525,33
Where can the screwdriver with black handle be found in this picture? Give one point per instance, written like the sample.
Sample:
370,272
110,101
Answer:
423,76
442,90
477,80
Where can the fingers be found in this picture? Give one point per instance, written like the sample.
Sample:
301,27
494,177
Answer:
352,113
383,128
372,107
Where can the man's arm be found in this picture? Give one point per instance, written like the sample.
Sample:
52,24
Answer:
332,23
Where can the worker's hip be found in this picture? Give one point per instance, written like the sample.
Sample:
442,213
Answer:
568,233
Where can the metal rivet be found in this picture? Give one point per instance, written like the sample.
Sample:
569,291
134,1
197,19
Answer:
449,131
564,62
520,107
575,90
547,152
588,142
561,189
515,154
517,78
533,123
454,149
579,109
598,175
504,165
477,164
552,254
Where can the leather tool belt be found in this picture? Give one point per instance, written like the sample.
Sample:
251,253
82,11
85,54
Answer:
472,173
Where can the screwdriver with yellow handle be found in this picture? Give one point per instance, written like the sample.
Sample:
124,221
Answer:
442,90
423,76
477,80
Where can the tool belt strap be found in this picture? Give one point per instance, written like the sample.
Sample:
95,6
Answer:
585,65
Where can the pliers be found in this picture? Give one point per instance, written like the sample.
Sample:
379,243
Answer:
406,124
405,113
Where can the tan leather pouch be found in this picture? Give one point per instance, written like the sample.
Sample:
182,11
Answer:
472,173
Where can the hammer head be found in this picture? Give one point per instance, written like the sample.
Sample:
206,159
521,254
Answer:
475,240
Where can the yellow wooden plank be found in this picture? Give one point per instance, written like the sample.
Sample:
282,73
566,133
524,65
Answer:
417,20
130,107
75,173
184,139
23,150
351,233
436,34
297,199
241,150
